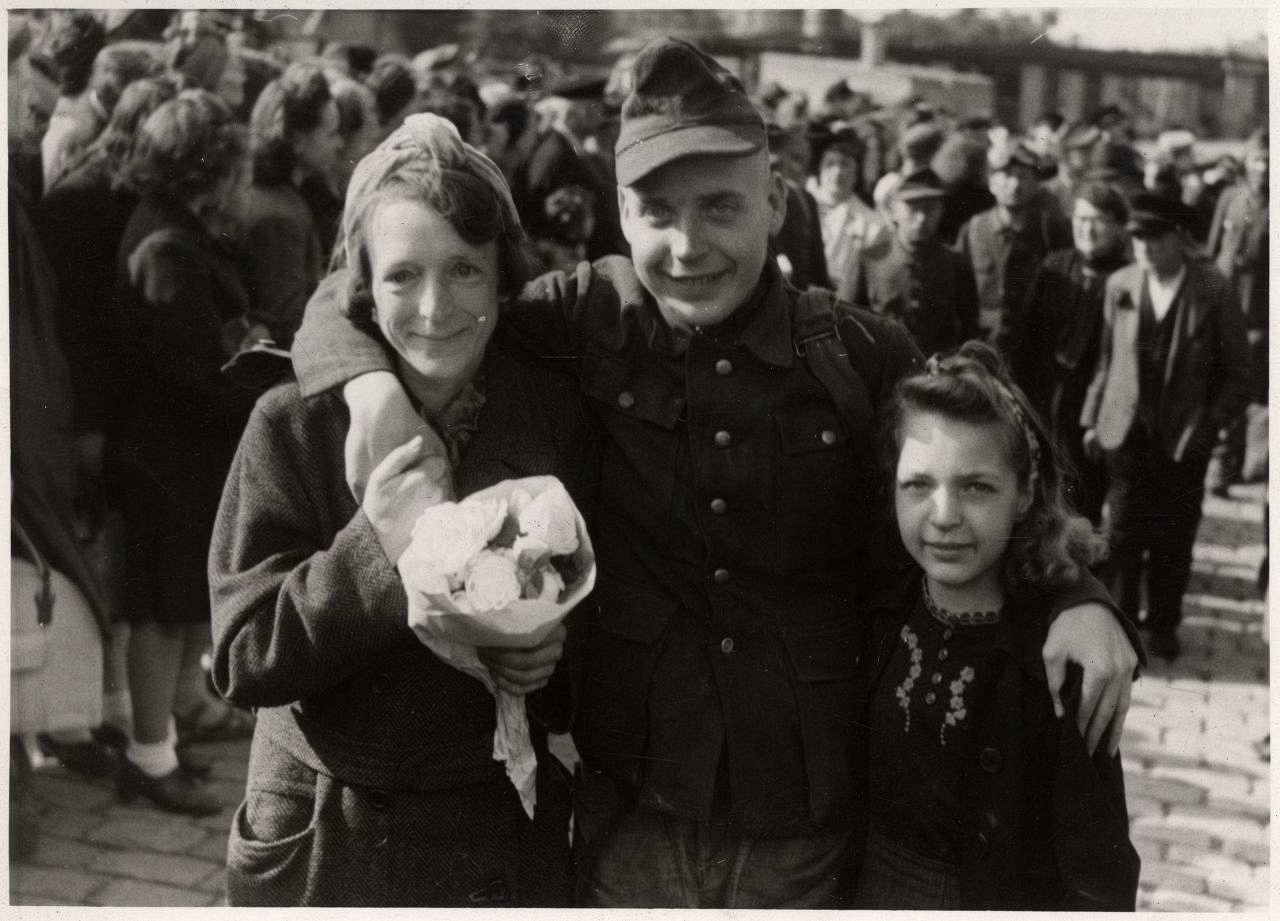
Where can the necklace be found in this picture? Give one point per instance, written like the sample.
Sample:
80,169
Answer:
957,618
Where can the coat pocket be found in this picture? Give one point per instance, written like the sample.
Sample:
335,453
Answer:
272,843
827,662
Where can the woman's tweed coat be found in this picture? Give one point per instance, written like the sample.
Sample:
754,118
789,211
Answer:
372,780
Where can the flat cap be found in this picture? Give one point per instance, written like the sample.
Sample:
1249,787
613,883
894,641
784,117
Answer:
922,140
922,184
1082,137
682,103
1152,215
1001,157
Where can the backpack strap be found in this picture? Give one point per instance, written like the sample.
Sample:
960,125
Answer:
842,367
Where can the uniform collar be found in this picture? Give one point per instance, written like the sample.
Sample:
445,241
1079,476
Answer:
1023,632
763,324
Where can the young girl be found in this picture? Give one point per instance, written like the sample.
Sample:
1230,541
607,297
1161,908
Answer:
979,797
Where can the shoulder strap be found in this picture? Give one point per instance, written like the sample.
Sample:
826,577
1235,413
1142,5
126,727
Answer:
842,367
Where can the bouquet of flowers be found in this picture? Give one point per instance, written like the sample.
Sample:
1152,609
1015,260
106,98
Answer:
500,568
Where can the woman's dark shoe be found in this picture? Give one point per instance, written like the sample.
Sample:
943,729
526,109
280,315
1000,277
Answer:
90,758
213,721
176,791
197,765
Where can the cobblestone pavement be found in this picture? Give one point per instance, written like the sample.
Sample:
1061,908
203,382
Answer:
1199,795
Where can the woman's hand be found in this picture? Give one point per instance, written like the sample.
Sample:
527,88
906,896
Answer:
523,671
407,481
381,418
1090,635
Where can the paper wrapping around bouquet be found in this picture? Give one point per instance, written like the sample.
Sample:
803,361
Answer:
453,635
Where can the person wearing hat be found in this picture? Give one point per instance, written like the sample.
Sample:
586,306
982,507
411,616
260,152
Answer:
716,674
1052,347
917,146
1076,144
1239,245
554,188
1005,243
1173,369
925,285
849,225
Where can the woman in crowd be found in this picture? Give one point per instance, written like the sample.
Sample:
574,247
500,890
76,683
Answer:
294,138
183,308
849,225
372,779
979,797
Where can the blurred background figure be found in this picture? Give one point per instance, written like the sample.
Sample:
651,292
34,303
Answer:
1052,346
849,225
295,144
75,38
1239,245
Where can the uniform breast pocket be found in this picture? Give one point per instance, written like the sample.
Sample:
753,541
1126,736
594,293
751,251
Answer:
815,471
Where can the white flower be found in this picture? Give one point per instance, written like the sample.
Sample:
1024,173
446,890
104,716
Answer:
447,536
492,583
552,585
550,518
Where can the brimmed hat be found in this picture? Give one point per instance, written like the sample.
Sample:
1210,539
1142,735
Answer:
920,185
579,87
682,104
1001,157
1153,215
922,140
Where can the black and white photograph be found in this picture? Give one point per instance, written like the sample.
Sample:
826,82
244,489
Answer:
596,459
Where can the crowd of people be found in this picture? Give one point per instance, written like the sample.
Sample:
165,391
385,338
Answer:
196,208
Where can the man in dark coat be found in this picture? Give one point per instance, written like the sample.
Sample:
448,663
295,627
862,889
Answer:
1173,369
918,281
1052,349
1005,243
736,567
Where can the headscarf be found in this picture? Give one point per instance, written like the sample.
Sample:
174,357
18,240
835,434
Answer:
436,142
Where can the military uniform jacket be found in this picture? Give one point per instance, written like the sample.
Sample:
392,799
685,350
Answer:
733,538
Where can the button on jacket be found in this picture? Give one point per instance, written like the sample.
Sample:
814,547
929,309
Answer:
666,704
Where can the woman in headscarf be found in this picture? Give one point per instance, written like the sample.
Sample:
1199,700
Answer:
372,780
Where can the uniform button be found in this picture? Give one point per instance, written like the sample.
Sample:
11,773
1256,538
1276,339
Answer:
726,645
942,655
936,678
828,437
930,697
718,506
724,367
723,439
990,760
721,576
626,399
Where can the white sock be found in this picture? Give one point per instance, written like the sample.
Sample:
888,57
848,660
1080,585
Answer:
155,759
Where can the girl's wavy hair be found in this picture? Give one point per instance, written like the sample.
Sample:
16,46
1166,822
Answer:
467,202
1050,543
289,105
185,147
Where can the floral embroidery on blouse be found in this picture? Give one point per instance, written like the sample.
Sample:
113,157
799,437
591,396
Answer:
903,692
957,711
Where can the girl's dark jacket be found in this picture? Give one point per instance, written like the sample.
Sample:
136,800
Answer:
1045,824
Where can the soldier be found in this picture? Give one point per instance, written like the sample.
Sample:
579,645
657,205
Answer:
925,285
